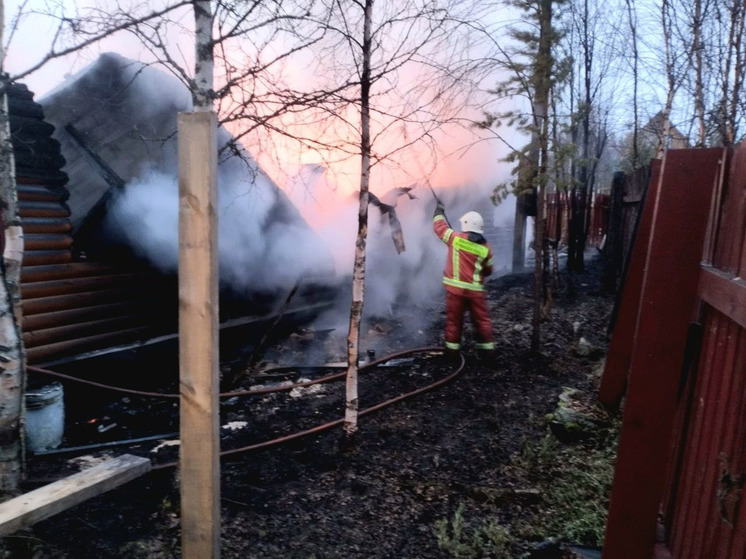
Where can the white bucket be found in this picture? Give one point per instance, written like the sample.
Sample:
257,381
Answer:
45,417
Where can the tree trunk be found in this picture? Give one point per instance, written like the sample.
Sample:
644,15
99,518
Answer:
202,91
738,20
358,274
12,355
635,62
519,235
699,89
543,72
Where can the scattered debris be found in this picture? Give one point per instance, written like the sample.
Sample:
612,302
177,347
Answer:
574,419
235,425
301,391
166,444
88,460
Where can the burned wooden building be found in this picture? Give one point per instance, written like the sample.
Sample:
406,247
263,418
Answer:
96,172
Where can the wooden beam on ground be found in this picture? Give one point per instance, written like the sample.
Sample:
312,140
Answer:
198,336
35,506
667,302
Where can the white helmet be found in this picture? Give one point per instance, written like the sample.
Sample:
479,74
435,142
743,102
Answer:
471,221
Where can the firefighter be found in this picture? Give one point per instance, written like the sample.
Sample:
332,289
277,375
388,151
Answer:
469,261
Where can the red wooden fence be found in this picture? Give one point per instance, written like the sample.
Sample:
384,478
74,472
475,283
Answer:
557,217
704,516
682,453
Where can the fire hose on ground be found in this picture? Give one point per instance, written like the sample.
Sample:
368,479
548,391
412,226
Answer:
283,388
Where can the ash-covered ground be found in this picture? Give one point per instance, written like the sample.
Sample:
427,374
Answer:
472,469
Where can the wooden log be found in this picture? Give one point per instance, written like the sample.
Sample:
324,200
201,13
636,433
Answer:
20,91
46,225
24,107
28,208
42,193
81,285
39,257
77,300
39,160
65,332
198,336
32,175
60,271
21,126
85,314
46,241
34,506
46,147
46,353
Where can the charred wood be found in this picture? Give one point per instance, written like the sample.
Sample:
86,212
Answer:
46,352
37,257
46,241
85,314
41,193
29,208
81,285
86,299
32,175
77,269
36,338
40,225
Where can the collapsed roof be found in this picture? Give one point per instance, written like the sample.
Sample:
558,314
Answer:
117,122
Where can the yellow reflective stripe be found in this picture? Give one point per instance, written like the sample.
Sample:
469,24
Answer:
448,232
468,246
477,271
451,345
486,345
480,251
490,262
462,284
455,264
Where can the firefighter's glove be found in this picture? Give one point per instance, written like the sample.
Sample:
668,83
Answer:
440,209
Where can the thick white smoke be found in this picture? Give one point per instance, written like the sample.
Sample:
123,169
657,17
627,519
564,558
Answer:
401,286
127,114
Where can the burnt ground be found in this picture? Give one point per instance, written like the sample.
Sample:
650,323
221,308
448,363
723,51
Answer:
470,469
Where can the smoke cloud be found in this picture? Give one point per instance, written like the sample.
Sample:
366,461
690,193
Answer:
401,286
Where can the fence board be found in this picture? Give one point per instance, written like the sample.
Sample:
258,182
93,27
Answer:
614,380
675,246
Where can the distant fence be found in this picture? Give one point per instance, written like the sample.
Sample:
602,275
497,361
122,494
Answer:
558,215
679,351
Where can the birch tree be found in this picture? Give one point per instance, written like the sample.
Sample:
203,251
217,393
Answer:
12,361
393,74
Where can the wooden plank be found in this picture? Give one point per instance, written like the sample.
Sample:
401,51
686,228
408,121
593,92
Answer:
668,298
729,242
614,380
198,336
725,293
693,468
34,506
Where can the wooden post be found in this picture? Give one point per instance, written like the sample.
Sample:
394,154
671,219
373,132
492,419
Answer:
198,336
668,298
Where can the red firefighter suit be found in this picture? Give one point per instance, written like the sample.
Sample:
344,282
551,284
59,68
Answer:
469,262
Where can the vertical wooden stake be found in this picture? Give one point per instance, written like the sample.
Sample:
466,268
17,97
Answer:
198,336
